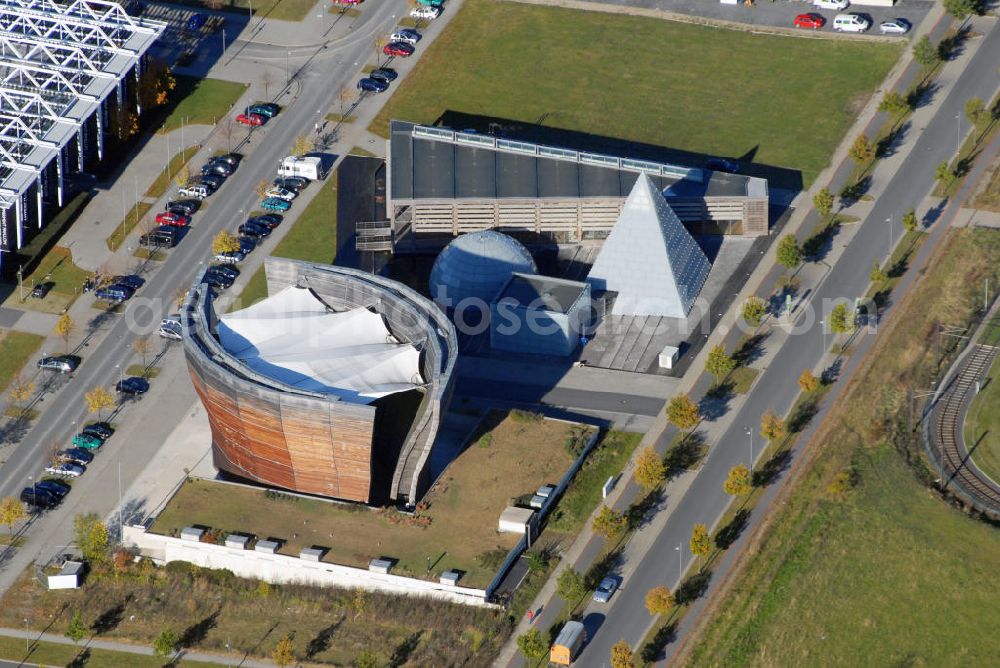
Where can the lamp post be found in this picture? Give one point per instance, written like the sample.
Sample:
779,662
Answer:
822,325
891,244
288,76
27,640
223,42
749,432
680,567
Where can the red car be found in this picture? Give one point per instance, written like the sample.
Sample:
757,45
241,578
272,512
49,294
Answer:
401,49
175,219
253,120
814,21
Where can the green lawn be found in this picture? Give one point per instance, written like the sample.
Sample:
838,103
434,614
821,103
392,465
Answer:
17,347
53,654
884,573
56,267
786,101
461,518
201,101
983,421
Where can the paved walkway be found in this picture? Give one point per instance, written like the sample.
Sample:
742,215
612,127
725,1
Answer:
126,648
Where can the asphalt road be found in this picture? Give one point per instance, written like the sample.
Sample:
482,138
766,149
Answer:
315,86
626,617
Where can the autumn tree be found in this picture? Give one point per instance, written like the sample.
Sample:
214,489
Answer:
99,399
649,469
166,643
64,329
682,412
910,221
789,253
823,201
738,482
753,311
976,112
283,654
772,427
701,542
944,173
659,600
862,150
262,187
719,363
808,382
90,535
380,43
225,242
570,585
11,512
894,103
609,523
532,645
77,630
878,274
841,319
155,84
621,655
345,97
142,347
182,176
301,145
227,130
21,390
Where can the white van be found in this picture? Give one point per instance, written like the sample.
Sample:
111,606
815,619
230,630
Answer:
850,23
835,5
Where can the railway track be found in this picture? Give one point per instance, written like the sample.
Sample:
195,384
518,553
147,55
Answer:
951,448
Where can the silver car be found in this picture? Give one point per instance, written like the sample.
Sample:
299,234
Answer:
606,589
894,27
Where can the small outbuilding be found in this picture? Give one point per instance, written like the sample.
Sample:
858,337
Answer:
515,520
69,577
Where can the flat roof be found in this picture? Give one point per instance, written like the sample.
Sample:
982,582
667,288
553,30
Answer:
542,293
438,163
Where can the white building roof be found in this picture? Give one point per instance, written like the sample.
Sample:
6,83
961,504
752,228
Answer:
649,258
296,339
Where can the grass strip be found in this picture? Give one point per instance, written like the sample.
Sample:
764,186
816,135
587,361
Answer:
135,216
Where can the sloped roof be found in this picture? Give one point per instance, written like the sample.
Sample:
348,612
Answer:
295,338
649,258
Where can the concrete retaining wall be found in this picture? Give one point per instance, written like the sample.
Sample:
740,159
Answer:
285,569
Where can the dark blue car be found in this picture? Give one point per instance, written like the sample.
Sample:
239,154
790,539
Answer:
195,22
370,85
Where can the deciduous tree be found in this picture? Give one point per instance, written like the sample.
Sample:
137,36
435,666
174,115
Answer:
532,645
90,534
659,601
345,97
98,399
649,469
682,412
962,9
894,103
21,390
77,630
862,150
283,654
719,363
878,275
841,319
571,585
302,145
823,201
621,655
976,112
789,253
65,328
772,427
266,79
142,347
262,187
754,309
944,173
609,523
225,242
738,482
808,382
182,176
701,542
166,643
925,53
910,221
11,512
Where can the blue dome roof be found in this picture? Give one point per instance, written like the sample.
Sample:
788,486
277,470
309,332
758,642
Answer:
476,265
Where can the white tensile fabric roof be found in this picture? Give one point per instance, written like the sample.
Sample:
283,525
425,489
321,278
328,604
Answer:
295,339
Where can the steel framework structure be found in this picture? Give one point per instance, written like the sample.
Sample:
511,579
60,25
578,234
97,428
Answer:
59,64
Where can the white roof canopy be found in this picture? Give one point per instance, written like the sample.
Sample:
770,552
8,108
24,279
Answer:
296,339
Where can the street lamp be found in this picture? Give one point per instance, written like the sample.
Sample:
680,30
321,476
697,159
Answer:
749,432
680,568
891,244
822,326
288,78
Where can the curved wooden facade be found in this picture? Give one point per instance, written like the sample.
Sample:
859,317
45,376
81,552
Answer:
280,436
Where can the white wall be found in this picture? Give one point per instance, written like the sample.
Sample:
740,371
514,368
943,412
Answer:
284,569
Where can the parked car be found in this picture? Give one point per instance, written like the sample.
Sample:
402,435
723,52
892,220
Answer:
221,160
38,498
101,430
425,12
811,20
401,49
42,289
293,183
114,293
247,244
253,120
264,109
232,159
268,220
370,85
723,165
196,21
55,487
275,204
606,589
188,207
196,190
213,181
171,331
229,257
225,270
406,35
217,280
850,23
220,168
431,3
894,27
76,456
836,5
68,470
133,385
254,230
173,219
386,74
281,193
131,280
87,442
60,363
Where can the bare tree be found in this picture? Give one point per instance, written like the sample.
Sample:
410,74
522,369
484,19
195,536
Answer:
226,131
266,79
345,97
142,347
380,42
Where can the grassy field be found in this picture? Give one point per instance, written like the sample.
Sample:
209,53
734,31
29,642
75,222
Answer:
783,101
17,347
989,197
53,654
461,519
202,101
884,572
56,267
983,421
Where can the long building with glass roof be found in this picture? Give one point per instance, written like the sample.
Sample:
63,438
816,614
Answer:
61,65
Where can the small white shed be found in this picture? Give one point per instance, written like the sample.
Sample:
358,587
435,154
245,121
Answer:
68,577
515,520
668,357
193,534
237,542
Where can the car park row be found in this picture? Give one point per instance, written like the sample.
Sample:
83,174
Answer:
849,22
